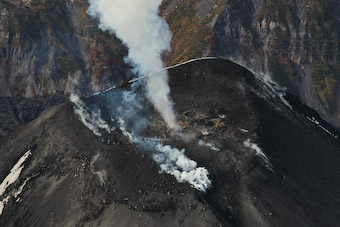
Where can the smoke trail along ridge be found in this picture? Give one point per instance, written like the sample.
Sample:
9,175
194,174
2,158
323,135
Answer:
147,36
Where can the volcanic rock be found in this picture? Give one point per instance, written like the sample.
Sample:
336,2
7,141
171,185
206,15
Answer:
275,162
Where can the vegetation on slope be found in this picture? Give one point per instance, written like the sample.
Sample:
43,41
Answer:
319,44
192,35
323,46
80,46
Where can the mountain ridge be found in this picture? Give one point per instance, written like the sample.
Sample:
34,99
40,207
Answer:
264,174
69,52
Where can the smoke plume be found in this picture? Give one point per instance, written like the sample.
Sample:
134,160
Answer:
147,36
173,161
91,119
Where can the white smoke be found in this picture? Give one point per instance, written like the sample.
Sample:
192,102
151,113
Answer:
210,145
91,119
147,36
122,127
258,152
170,160
173,161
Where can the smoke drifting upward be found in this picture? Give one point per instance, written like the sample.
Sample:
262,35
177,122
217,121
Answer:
147,36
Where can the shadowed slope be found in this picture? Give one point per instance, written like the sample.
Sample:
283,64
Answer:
274,167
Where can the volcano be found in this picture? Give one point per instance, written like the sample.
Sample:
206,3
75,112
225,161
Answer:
271,160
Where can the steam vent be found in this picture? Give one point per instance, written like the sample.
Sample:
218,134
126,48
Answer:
247,155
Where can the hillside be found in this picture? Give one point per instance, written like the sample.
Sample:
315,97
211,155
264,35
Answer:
52,47
296,42
16,112
270,163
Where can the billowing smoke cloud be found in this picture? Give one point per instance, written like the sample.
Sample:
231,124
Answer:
173,161
147,36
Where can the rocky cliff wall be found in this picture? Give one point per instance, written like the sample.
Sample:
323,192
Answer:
46,47
295,42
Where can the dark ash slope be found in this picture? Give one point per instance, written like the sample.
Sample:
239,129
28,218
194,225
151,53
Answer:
298,186
15,112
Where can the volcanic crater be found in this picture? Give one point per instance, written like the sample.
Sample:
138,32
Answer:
269,165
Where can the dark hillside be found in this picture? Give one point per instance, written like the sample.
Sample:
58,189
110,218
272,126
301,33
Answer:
269,164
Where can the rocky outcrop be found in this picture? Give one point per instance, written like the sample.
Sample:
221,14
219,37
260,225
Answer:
269,165
295,42
51,47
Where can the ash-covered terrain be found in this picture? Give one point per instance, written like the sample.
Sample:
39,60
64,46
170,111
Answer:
17,111
245,155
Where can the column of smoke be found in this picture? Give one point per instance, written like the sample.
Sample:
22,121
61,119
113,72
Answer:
127,113
147,36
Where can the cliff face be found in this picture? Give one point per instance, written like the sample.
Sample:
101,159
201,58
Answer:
296,42
233,124
44,44
46,47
